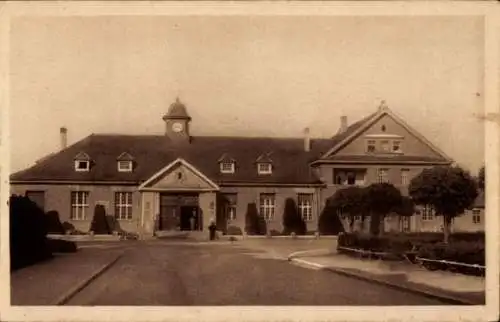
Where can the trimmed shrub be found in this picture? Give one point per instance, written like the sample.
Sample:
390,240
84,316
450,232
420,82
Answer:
460,251
68,227
292,221
252,226
99,223
28,241
329,222
234,230
61,246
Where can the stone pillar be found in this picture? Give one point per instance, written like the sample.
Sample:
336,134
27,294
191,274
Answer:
208,206
148,213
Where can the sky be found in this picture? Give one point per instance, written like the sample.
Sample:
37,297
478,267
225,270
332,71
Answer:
244,76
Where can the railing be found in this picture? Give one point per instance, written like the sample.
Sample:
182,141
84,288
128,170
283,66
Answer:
442,261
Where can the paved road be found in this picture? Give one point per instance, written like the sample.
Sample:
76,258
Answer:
163,274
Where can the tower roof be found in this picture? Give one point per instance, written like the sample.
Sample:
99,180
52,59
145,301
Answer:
177,110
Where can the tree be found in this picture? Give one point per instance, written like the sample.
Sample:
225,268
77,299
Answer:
480,178
380,200
99,223
253,224
406,208
292,221
350,201
329,222
448,189
28,233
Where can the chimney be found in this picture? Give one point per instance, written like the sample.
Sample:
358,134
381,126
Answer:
343,124
64,137
307,140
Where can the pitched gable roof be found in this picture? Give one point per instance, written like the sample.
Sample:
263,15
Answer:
359,127
125,156
153,152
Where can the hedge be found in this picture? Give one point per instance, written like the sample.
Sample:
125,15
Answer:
468,248
458,251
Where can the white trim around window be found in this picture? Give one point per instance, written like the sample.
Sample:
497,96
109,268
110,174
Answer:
227,167
82,165
267,206
79,205
305,206
123,205
476,216
264,168
124,166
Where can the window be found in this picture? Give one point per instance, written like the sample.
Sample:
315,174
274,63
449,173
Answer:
124,166
123,205
351,178
370,146
79,205
382,175
406,224
427,213
82,165
384,145
227,167
230,206
267,206
357,218
404,176
305,206
264,168
396,146
476,216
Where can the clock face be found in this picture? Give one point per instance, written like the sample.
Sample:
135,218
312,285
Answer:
177,127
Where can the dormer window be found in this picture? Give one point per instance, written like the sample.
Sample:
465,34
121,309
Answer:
125,162
82,165
82,162
226,164
227,167
264,168
125,166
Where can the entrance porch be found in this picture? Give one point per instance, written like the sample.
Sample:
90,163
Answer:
177,198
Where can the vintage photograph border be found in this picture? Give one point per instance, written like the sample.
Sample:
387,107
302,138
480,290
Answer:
488,10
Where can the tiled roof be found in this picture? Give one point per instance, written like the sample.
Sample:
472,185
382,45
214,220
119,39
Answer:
152,153
480,200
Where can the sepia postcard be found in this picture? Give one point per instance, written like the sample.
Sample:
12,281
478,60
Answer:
249,161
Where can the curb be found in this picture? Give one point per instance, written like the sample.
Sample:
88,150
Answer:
312,252
429,294
73,291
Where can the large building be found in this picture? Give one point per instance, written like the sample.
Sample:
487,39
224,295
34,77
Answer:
179,181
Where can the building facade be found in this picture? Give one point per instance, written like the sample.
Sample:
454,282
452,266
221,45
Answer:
177,181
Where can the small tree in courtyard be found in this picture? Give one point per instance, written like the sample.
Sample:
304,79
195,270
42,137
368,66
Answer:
406,208
252,221
350,201
380,200
292,221
99,223
329,222
448,189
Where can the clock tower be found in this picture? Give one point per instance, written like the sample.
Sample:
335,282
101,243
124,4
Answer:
177,122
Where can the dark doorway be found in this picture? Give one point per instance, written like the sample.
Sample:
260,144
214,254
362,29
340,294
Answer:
179,211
